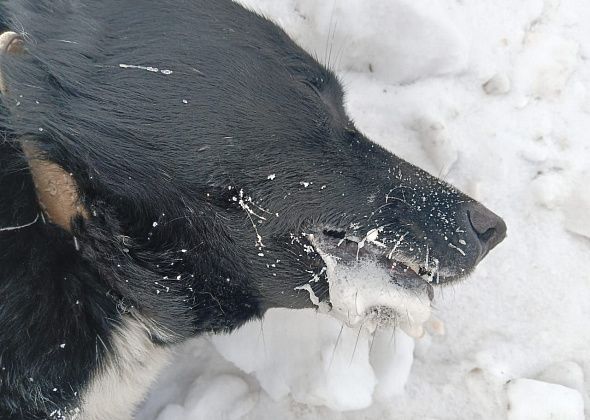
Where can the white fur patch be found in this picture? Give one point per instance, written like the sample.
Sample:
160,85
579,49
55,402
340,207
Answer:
123,381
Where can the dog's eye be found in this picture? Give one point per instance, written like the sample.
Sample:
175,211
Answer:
314,83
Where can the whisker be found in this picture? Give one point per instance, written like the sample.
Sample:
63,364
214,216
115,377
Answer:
373,341
329,31
340,54
334,349
392,339
356,343
13,228
333,37
263,338
398,243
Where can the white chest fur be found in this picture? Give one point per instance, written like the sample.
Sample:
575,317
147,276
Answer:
125,377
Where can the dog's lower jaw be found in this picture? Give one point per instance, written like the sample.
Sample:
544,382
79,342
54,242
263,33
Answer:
123,381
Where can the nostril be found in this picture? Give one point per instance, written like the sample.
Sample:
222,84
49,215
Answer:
487,235
489,227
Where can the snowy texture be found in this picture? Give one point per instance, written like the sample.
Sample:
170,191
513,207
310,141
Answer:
534,400
363,296
493,96
318,372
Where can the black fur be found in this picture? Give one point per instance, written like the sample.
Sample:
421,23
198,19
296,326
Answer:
166,164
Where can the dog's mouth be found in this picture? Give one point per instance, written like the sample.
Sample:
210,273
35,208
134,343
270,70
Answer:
373,285
351,250
406,270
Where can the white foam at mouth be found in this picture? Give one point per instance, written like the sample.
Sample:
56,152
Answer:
358,294
322,306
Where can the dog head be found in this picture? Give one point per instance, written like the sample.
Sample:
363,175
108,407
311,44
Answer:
185,177
213,172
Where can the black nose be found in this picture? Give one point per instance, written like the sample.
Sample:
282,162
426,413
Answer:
489,228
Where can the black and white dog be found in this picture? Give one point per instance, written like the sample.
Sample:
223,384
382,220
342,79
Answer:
169,168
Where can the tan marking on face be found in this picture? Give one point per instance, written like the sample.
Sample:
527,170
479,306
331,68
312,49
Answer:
10,43
57,191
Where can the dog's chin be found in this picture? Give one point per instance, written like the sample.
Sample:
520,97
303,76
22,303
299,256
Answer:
367,289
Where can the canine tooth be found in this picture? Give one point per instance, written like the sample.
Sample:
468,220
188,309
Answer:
360,245
372,235
414,267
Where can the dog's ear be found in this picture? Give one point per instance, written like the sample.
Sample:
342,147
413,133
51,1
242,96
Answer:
10,43
57,192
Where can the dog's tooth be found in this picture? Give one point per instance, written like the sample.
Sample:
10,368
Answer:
414,268
379,244
372,235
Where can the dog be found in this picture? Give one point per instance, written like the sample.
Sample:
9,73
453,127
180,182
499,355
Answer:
174,168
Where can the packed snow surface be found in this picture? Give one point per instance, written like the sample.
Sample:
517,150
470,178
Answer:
493,96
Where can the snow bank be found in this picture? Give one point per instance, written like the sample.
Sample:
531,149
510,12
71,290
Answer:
577,206
535,400
320,363
375,37
494,96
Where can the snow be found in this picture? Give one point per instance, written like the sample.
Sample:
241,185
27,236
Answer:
285,370
568,374
493,96
577,203
535,400
147,68
356,291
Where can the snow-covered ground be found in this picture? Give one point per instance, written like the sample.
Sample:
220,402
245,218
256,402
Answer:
492,95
